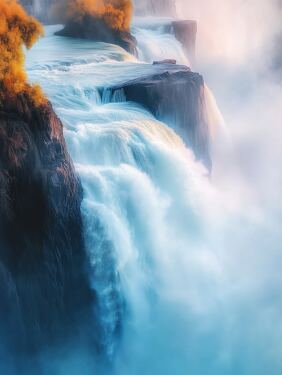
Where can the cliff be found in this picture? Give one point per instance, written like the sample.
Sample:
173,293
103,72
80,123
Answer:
44,289
89,27
174,95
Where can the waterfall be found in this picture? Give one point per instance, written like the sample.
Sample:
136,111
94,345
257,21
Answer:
161,239
125,159
155,42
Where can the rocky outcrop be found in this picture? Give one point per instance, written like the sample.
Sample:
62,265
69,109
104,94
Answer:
166,61
98,30
275,70
174,95
44,289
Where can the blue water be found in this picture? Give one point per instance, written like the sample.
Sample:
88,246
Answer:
175,260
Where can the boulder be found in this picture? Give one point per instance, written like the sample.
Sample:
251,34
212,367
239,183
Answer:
98,30
174,95
166,61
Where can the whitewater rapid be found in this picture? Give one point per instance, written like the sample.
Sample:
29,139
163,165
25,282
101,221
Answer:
139,179
166,294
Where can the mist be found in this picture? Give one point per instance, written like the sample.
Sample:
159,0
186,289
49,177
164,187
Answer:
236,32
236,48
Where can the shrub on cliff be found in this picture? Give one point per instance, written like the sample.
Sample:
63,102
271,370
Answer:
17,29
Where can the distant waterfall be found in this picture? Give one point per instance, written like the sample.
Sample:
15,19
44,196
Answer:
155,43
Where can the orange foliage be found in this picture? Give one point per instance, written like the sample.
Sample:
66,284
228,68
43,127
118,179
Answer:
17,29
116,13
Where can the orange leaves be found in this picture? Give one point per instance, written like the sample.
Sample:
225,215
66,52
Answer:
17,29
116,13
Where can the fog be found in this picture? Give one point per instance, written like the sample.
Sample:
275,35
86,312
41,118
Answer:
236,48
237,44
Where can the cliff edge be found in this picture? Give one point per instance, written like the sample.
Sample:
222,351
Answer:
44,288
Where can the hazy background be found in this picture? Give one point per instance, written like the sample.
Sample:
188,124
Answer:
239,54
238,47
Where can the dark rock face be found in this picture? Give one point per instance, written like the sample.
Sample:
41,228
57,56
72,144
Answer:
166,61
276,58
44,289
185,32
96,29
175,96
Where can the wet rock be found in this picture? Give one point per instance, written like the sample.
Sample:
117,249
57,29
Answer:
97,29
166,61
176,96
43,266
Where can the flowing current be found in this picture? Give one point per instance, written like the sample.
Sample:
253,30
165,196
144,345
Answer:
167,296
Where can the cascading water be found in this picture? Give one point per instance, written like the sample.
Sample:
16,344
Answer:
116,147
153,222
155,42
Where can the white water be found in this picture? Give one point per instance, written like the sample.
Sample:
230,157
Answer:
155,43
168,251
